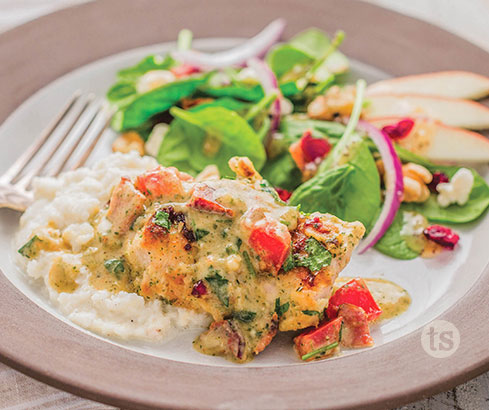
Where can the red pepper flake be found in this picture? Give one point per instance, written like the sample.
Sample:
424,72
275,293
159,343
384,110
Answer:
283,194
400,130
438,178
313,148
442,235
199,289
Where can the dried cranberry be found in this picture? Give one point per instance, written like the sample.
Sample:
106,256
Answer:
438,178
400,130
441,235
184,70
283,194
314,148
199,289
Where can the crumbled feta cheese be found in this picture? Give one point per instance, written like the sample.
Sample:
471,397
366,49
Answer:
154,79
219,79
155,139
413,224
456,191
247,75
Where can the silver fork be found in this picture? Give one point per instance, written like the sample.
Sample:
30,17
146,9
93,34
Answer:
90,119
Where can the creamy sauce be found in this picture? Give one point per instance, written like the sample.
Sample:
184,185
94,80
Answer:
391,298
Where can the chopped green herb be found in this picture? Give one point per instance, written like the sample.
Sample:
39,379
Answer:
289,263
200,233
31,247
244,316
230,250
115,266
281,309
266,187
239,242
162,219
318,256
248,263
311,312
320,351
218,285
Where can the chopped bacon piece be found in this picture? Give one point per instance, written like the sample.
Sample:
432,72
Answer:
324,337
355,332
126,204
355,292
271,240
203,199
162,182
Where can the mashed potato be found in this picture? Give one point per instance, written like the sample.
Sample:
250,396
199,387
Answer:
61,209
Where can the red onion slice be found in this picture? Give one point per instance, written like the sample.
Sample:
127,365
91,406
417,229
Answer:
393,183
256,46
269,82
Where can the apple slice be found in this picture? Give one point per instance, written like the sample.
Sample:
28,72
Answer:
455,84
450,111
442,143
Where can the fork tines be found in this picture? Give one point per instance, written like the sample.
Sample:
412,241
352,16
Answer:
67,140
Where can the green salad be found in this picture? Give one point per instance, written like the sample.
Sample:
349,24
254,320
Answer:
308,132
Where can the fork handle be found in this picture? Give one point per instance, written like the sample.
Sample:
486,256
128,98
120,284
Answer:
14,198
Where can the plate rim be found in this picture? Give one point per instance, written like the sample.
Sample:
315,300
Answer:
36,357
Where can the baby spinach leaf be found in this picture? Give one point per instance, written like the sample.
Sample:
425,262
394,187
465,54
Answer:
282,172
293,128
476,205
211,135
304,50
141,107
219,286
393,244
149,63
240,91
225,102
350,191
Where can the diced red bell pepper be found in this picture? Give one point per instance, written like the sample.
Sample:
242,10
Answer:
271,240
184,70
320,342
162,182
355,292
203,199
355,332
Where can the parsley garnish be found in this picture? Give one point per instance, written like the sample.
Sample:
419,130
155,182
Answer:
244,316
281,309
115,266
30,248
320,351
162,219
248,263
200,233
218,285
266,187
311,312
317,257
